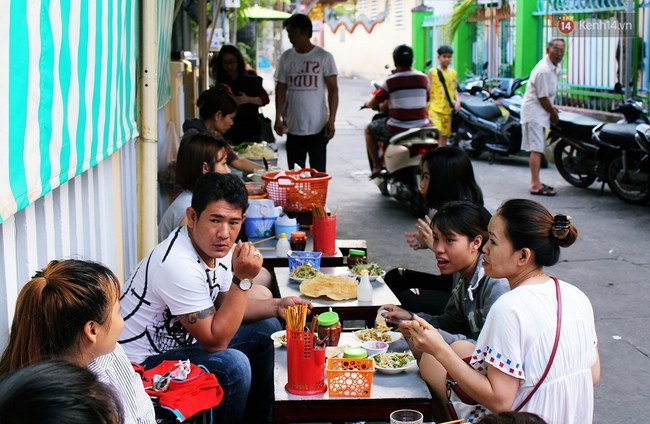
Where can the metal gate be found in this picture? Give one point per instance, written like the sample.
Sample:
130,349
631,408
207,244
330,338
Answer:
596,51
494,39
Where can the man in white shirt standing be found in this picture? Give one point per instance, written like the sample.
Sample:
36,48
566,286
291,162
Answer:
537,111
303,75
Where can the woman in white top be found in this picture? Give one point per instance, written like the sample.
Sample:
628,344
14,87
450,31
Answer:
71,311
515,344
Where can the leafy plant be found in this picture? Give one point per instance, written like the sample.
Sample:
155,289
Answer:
349,9
456,18
246,51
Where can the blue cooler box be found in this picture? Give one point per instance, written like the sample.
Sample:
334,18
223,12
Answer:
259,227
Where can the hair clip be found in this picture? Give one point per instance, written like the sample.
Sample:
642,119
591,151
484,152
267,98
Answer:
561,225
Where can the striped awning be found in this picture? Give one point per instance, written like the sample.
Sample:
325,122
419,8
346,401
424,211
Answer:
68,92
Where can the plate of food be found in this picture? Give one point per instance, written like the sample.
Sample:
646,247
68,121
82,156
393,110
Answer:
303,272
394,362
280,337
333,287
376,335
374,270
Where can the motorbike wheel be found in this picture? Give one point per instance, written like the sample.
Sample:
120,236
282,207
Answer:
475,151
383,187
630,186
565,157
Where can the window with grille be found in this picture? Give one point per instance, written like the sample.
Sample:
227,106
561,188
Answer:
399,13
373,10
362,6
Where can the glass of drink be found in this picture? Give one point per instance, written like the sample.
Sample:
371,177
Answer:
406,416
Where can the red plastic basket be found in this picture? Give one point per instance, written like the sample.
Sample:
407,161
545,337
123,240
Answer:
295,193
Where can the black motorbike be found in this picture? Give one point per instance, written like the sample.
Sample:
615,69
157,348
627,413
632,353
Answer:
620,160
485,127
474,81
575,151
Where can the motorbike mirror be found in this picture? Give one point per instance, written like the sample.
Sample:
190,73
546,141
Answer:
618,88
428,63
485,66
475,90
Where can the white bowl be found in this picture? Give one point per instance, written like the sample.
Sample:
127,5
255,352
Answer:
280,337
370,277
374,348
394,336
408,366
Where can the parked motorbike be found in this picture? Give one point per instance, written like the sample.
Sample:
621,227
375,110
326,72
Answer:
575,151
401,157
487,127
620,160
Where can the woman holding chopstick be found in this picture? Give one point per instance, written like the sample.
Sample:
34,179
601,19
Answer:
459,232
537,351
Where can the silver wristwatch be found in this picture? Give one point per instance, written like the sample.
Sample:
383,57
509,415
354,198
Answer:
244,284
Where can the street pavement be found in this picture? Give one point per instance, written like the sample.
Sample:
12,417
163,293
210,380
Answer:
610,261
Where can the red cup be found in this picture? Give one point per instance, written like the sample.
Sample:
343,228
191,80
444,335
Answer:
305,365
324,231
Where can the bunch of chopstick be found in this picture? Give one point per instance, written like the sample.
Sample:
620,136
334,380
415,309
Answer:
320,212
296,317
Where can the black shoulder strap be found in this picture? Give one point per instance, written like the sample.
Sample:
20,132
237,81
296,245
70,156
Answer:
444,85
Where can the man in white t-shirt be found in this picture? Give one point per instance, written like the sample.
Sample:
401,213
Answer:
537,111
303,75
189,299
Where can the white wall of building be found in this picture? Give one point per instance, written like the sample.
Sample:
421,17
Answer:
90,217
365,54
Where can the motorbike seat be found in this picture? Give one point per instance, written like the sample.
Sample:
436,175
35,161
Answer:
482,109
425,135
644,138
576,125
620,134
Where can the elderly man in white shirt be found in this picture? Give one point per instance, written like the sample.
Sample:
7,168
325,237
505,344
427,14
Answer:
537,111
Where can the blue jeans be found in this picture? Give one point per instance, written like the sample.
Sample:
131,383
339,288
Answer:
244,371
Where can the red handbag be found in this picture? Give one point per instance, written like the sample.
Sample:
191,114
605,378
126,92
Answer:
467,399
184,398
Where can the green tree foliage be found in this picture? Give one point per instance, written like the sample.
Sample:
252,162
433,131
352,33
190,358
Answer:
461,8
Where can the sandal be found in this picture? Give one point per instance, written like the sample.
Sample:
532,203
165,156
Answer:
544,191
374,175
548,187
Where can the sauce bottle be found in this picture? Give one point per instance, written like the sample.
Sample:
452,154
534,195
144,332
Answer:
282,247
364,291
356,257
355,353
298,240
330,327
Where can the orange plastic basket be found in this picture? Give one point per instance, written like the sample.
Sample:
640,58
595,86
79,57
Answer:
295,193
350,377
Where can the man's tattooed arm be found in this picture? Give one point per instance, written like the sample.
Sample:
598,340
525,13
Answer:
194,317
